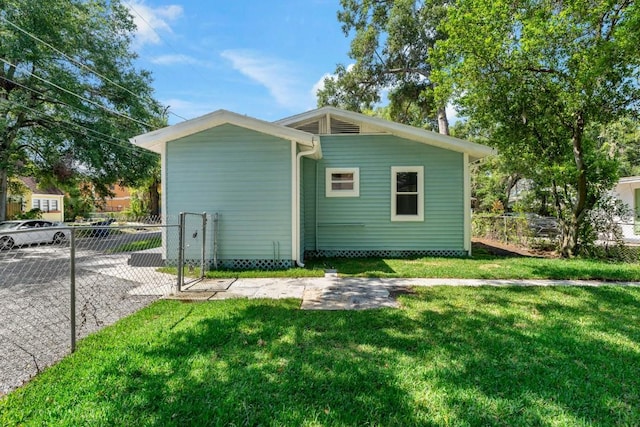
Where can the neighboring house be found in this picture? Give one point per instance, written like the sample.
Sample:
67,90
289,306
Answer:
628,191
326,182
49,200
120,201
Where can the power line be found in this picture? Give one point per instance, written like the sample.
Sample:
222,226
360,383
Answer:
127,145
55,120
80,64
117,113
130,5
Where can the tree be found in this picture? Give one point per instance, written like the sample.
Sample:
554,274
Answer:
543,76
391,49
622,139
70,96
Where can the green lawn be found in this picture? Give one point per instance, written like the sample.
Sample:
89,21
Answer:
451,356
481,266
484,267
138,245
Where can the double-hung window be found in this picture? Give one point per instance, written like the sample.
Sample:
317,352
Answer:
407,193
343,182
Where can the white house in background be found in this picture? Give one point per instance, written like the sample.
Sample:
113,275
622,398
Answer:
628,191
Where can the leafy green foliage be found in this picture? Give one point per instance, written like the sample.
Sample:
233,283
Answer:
541,76
451,356
390,46
70,96
30,214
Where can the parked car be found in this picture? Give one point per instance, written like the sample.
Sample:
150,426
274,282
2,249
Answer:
543,226
29,231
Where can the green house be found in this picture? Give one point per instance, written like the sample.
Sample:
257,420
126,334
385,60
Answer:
327,182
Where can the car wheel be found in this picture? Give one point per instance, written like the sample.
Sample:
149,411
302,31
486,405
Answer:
59,238
6,243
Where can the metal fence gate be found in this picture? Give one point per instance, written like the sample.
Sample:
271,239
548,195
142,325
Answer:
192,248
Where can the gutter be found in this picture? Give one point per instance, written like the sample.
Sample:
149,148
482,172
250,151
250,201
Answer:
297,250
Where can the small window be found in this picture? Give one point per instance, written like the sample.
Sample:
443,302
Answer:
407,193
343,182
53,205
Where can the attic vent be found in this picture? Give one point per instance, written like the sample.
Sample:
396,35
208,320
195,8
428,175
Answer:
338,126
311,127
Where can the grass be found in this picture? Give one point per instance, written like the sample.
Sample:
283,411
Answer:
484,267
481,266
153,242
564,356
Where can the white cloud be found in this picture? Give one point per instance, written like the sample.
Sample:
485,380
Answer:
319,85
277,75
151,22
177,59
186,109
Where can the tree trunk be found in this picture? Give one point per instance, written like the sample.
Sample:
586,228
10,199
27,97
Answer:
154,199
4,181
443,122
579,210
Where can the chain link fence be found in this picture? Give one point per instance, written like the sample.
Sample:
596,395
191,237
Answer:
59,283
619,241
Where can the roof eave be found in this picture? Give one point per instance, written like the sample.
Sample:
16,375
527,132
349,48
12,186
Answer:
475,151
155,140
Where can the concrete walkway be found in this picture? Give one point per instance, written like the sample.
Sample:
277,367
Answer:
351,293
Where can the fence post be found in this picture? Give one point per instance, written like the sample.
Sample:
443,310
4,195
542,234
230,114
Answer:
204,242
180,252
72,293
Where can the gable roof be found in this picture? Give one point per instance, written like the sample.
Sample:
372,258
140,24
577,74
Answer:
377,125
35,188
155,140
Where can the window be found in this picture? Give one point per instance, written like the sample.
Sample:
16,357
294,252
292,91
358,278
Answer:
45,205
407,193
343,182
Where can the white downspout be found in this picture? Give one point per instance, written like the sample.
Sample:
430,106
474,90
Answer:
467,203
297,250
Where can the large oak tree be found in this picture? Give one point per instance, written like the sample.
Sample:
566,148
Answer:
390,47
70,95
543,76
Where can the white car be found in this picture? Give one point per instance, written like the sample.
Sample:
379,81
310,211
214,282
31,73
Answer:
28,231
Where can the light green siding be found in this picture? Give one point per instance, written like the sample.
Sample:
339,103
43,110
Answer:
309,168
243,175
364,223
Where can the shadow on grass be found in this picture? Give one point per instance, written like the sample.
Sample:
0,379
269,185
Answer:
463,356
566,358
352,266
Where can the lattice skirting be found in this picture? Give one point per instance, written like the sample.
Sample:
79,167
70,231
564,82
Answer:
255,264
382,253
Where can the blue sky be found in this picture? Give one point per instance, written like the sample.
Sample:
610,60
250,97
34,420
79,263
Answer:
260,58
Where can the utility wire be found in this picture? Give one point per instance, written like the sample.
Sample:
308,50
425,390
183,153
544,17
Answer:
80,64
128,144
130,5
80,96
55,120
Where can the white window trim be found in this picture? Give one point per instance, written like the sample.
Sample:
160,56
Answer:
420,171
355,192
